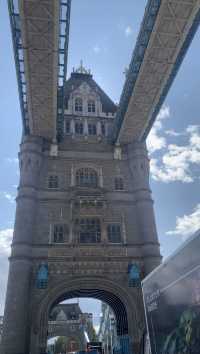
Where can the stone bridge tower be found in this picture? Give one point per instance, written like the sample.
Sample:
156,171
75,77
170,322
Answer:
84,216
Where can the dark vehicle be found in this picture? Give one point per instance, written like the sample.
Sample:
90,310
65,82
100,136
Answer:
172,302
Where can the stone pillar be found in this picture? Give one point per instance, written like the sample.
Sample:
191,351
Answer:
85,127
16,330
99,133
72,127
139,165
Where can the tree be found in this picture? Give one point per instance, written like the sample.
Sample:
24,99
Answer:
60,345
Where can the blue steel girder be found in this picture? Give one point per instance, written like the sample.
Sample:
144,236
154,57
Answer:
19,60
64,24
22,53
137,110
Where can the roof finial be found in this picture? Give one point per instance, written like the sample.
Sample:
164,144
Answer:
82,70
81,66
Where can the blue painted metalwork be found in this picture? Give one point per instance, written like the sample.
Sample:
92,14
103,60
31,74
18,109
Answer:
172,76
19,60
124,344
134,275
149,20
64,24
42,276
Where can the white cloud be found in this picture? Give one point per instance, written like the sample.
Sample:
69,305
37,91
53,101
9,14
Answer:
172,132
155,141
12,160
5,241
128,31
177,162
96,49
8,196
187,224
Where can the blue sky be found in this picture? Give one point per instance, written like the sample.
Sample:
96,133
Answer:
103,34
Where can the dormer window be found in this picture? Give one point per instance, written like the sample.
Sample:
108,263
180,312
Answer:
78,104
91,106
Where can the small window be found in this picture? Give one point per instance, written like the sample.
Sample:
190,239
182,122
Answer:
103,129
78,104
119,184
92,129
79,128
86,177
60,233
91,106
89,230
114,233
53,182
67,127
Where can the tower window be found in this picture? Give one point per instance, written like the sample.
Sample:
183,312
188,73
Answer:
78,104
53,182
86,177
89,230
79,128
60,233
91,106
103,129
119,184
67,127
114,233
92,129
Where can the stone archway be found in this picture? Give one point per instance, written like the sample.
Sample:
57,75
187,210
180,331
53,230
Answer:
108,291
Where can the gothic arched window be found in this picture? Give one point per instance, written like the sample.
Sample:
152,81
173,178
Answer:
60,233
89,230
78,104
91,106
119,184
86,177
114,233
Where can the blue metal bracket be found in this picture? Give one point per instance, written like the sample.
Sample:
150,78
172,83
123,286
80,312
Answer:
64,24
19,60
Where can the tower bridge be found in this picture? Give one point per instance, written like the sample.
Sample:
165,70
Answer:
85,224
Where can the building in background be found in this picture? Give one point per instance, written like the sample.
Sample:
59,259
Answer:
107,332
67,320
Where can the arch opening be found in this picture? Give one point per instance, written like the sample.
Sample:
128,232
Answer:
75,323
105,296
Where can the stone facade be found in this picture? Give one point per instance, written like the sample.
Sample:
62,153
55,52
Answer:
84,209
